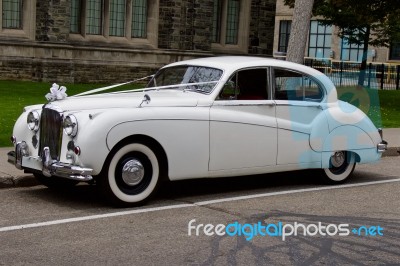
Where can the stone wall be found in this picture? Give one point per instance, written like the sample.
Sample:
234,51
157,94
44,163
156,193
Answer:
65,63
262,27
184,32
185,25
52,20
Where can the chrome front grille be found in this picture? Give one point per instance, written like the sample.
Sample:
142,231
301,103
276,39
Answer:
50,132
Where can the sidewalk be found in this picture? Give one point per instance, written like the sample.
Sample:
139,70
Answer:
392,136
12,177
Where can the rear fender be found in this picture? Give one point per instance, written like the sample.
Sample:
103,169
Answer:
349,138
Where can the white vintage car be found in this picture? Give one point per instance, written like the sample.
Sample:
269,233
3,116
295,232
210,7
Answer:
209,117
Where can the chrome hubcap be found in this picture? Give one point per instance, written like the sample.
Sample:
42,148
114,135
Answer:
338,159
132,172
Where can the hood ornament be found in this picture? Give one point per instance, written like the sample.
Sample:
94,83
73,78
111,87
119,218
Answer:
56,93
146,99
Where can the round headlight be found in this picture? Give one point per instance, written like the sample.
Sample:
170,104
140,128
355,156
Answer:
33,121
71,125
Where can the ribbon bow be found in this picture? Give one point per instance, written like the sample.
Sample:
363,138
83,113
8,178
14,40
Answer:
56,93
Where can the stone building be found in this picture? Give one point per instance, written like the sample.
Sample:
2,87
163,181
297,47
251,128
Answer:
119,40
323,41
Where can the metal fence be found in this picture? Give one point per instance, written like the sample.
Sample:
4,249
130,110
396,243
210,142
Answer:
382,76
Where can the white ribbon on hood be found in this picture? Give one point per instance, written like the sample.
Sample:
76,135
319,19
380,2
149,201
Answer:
111,87
56,93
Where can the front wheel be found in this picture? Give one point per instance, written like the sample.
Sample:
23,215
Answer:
132,175
342,164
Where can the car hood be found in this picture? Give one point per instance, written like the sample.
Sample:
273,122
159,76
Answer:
168,98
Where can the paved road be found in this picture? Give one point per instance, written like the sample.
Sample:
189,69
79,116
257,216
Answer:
39,226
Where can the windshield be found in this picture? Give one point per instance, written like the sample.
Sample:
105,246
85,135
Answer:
194,78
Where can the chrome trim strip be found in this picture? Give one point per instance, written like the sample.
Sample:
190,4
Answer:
244,103
46,162
309,104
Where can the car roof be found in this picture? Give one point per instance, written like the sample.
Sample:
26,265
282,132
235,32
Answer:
231,63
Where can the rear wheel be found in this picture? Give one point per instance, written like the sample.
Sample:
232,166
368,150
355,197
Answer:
342,164
132,175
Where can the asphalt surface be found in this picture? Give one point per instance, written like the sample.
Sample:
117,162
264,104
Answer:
39,226
12,177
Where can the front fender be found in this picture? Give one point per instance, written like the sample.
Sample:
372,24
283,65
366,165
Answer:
91,138
178,138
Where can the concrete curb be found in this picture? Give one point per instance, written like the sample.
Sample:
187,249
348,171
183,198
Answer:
18,181
391,151
26,180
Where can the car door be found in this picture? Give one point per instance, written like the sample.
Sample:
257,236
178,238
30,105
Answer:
243,133
298,100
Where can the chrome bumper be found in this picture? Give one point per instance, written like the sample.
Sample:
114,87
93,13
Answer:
382,147
48,166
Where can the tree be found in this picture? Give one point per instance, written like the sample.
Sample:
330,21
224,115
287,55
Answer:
361,22
298,34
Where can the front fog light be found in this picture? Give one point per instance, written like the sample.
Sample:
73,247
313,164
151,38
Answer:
71,125
33,121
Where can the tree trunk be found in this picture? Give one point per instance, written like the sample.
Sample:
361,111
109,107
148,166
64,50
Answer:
363,67
299,30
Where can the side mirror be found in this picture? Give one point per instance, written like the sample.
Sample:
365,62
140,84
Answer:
228,91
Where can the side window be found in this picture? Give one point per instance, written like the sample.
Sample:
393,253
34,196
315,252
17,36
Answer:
249,84
294,86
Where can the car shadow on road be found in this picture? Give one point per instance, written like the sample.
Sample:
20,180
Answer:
89,196
209,188
82,196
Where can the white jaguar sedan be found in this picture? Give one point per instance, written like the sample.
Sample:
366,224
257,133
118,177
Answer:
209,117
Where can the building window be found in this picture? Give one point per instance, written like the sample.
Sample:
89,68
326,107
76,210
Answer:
114,18
394,51
351,52
94,17
139,19
284,33
226,17
12,14
117,17
232,22
294,86
320,40
18,19
76,7
216,27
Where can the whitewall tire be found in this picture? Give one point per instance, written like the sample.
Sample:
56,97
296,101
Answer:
342,164
133,174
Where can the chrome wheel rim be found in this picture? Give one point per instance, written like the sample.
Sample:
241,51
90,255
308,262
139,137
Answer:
132,172
338,159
